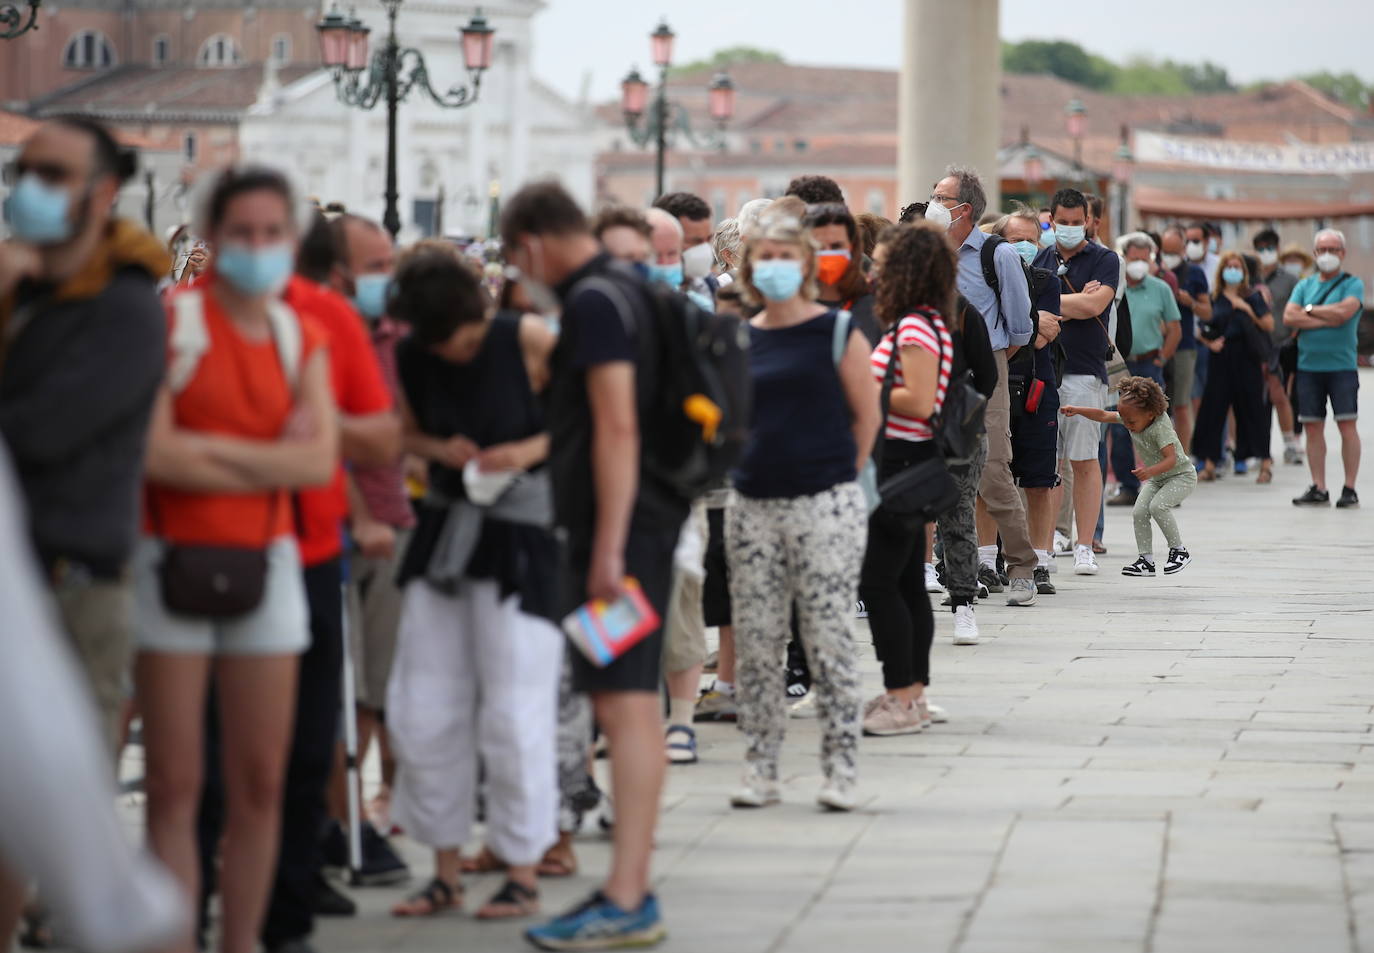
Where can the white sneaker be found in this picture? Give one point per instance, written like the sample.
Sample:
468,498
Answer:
837,796
1063,546
756,791
933,580
965,626
1084,562
805,707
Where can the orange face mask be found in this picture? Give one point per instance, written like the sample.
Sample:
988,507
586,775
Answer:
831,266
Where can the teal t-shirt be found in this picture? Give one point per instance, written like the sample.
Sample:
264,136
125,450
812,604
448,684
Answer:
1328,349
1152,307
1151,441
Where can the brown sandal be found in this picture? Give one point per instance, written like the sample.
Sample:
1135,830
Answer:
559,860
484,863
1208,473
437,897
1266,474
511,901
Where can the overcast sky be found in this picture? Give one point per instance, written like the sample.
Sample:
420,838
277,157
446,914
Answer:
1270,38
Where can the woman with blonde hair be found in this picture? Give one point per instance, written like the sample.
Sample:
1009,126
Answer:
797,531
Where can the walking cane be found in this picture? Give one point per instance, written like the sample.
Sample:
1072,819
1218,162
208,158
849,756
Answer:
350,723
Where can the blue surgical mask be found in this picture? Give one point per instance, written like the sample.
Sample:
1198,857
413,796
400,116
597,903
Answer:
670,275
1046,237
1070,236
370,295
1027,250
778,279
38,212
1232,275
256,271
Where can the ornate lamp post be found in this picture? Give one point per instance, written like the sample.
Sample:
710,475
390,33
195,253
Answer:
1032,164
1123,166
394,72
12,21
1077,125
634,97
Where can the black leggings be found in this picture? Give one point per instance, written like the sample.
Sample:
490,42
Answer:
892,584
1235,381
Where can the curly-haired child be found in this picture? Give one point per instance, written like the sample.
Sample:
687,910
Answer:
1167,475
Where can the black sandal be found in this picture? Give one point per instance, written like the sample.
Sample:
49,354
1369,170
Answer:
440,896
516,899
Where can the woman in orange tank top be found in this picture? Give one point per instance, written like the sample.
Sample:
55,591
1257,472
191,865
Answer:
246,417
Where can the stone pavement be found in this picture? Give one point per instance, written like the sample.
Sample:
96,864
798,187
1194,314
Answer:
1169,766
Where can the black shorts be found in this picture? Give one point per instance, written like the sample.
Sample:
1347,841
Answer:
648,558
715,591
1035,444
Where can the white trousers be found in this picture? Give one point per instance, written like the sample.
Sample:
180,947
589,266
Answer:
475,681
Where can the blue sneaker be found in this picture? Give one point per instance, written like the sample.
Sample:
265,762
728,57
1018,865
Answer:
598,924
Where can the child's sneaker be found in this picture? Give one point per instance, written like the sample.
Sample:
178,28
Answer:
1141,567
1178,558
598,924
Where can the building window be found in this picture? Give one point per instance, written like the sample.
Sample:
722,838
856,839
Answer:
219,50
281,49
190,146
877,201
426,216
89,49
162,51
718,204
800,145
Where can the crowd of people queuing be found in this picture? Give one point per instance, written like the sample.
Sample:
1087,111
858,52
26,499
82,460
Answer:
281,440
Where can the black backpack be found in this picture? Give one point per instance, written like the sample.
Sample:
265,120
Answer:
1037,279
694,386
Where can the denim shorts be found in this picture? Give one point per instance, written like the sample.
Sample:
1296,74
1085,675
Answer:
1035,444
1315,388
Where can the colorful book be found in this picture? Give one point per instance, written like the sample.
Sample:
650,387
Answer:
604,631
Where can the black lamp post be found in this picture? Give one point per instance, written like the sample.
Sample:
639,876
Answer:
12,22
343,41
634,97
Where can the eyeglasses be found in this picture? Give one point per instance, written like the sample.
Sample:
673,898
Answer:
942,199
51,173
1333,249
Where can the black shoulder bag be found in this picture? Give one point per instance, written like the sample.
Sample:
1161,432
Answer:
213,582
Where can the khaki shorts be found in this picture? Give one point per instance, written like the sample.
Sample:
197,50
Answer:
685,643
98,617
1079,436
374,617
1178,378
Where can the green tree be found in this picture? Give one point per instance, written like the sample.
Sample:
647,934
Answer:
1345,88
1142,76
1060,58
730,56
1206,78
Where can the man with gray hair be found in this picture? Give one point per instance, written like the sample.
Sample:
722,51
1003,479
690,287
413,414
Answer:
1156,329
1002,297
1324,310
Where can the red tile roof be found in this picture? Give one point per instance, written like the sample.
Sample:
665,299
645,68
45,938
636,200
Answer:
132,92
15,129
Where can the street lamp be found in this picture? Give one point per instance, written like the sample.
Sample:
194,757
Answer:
634,100
344,47
1123,166
1077,124
12,22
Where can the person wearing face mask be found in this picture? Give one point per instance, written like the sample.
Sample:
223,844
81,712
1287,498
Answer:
1296,260
1156,329
1199,250
957,202
1088,276
625,235
726,244
82,350
840,278
1280,284
1237,337
244,418
1324,311
698,254
478,658
1194,304
796,533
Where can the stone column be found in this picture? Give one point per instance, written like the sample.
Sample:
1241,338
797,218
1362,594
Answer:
949,98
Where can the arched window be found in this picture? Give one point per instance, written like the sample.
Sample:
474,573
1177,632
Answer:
281,49
219,50
89,49
162,50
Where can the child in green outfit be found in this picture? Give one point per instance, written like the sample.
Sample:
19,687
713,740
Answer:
1167,476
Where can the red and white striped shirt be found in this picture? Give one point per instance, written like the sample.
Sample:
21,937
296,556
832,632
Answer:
915,331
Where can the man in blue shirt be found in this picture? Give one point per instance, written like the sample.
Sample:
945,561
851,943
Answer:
958,201
1324,310
1088,276
1194,304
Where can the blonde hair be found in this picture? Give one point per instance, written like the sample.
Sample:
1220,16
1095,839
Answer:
784,230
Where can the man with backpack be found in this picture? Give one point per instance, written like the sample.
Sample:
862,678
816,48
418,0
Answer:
1002,296
617,521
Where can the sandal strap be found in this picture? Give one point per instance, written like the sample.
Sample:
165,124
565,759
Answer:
437,893
516,894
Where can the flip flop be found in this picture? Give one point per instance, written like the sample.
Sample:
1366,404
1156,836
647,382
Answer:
437,897
1099,549
559,861
513,900
484,863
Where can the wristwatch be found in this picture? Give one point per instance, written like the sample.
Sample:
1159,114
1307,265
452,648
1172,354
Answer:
1307,308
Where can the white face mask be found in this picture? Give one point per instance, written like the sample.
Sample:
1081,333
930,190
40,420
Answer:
938,214
697,261
1171,261
1268,256
1137,270
1196,251
1327,262
1294,268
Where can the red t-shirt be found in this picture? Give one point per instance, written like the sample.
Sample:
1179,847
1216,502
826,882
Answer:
239,390
359,390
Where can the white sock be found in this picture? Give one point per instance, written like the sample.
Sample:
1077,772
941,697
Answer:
1044,558
725,688
987,556
1148,557
680,711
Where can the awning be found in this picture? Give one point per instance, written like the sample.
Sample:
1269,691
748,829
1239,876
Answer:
1154,201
